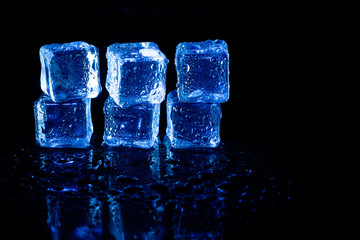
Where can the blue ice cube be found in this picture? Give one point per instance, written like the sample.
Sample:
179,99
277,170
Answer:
136,73
134,126
202,71
65,124
192,125
70,70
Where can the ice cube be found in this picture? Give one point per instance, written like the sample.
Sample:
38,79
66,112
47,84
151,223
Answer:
70,70
192,125
202,71
65,124
136,73
134,126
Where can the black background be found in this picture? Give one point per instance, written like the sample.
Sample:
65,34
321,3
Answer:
285,71
289,84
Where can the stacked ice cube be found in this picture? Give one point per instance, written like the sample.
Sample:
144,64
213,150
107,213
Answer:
193,110
136,82
69,79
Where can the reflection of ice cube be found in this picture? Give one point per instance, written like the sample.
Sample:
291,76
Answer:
136,73
71,219
208,223
203,71
199,208
65,170
70,70
131,166
65,124
200,164
116,224
192,125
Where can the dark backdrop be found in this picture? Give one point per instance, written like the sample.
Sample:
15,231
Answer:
283,73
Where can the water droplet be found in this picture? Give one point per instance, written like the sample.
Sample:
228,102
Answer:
186,67
205,138
213,59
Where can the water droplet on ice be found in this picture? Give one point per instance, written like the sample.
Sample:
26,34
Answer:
186,67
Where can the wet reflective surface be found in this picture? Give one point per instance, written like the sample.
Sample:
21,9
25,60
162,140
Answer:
161,193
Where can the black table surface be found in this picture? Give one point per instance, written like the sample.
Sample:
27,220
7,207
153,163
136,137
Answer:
262,185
